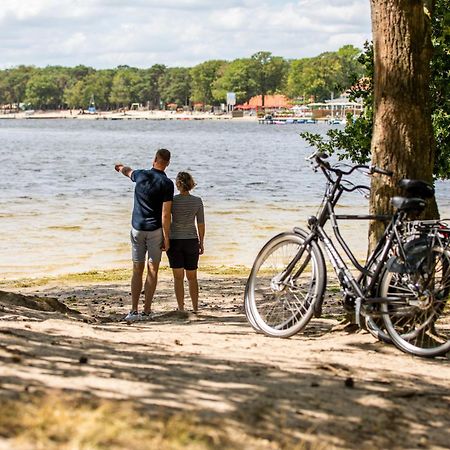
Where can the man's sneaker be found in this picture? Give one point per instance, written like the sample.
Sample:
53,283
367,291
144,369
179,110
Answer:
132,316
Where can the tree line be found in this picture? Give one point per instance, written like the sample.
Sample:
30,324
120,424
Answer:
207,83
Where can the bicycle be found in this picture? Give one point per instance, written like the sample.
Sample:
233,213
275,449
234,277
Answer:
405,282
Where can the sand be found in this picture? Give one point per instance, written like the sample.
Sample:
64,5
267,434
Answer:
324,388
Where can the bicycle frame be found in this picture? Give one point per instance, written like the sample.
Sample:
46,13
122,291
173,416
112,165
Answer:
381,252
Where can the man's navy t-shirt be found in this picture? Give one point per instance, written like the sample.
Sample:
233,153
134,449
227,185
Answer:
152,189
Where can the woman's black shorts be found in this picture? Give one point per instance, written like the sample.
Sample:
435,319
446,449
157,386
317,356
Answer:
183,254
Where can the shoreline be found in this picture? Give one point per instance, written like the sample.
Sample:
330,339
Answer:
128,115
97,276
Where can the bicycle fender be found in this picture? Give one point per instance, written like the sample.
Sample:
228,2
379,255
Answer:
303,233
416,252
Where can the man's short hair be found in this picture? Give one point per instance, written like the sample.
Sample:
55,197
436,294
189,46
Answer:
163,154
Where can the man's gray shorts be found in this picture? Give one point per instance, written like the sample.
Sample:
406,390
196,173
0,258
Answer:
143,242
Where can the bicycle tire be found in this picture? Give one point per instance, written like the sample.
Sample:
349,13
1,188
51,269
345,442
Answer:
375,326
374,323
248,313
418,321
282,309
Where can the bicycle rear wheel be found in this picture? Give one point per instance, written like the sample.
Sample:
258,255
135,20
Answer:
373,320
418,317
286,281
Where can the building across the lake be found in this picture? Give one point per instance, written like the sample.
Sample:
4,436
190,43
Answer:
333,108
336,107
271,101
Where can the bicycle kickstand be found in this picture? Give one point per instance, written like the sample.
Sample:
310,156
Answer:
358,311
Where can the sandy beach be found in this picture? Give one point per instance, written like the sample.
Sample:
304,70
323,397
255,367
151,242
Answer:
73,374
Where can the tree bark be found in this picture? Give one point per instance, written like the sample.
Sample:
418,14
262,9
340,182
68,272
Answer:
402,139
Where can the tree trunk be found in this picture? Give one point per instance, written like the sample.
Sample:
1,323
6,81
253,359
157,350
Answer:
402,139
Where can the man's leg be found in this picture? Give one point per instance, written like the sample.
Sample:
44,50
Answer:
150,285
136,284
193,288
154,242
178,281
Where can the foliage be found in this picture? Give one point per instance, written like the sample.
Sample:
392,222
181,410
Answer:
147,87
440,87
269,72
123,89
203,77
237,78
13,84
45,89
175,86
354,141
95,85
208,82
329,73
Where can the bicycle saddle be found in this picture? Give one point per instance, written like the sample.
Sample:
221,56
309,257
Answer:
417,188
408,204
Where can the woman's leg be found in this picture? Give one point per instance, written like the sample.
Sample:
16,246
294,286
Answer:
193,288
178,279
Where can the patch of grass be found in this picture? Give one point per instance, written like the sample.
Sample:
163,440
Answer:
94,276
112,275
225,270
60,422
68,421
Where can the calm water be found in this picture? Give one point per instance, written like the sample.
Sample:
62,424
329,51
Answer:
63,208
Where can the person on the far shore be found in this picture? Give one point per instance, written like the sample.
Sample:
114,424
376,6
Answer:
187,234
153,195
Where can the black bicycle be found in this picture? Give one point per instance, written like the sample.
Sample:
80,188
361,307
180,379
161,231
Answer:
401,292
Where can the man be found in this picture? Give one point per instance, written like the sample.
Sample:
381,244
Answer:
153,196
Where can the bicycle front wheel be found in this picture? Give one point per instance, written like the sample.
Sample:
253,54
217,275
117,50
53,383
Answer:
287,279
418,317
248,313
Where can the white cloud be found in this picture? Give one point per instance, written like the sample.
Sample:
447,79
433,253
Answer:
106,33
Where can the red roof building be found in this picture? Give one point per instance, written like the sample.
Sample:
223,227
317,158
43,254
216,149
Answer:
276,101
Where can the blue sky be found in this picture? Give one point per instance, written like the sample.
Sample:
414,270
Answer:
140,33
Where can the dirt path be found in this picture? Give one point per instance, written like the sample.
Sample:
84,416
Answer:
320,389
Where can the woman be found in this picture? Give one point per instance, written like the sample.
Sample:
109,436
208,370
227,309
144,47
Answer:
187,233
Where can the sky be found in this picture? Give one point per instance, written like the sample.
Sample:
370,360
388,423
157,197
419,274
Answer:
140,33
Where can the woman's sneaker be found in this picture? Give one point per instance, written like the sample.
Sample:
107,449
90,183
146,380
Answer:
145,316
132,316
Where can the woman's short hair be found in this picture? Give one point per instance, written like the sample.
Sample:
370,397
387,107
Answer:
184,181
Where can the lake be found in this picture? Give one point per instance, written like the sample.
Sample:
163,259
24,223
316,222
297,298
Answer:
64,209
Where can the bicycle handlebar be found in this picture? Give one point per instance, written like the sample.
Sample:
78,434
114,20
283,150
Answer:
319,158
375,169
356,187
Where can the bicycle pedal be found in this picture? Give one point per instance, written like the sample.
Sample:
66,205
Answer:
348,303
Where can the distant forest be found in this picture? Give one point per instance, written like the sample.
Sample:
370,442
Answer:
202,86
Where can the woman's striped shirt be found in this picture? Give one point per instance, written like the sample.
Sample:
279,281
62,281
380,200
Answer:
185,209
